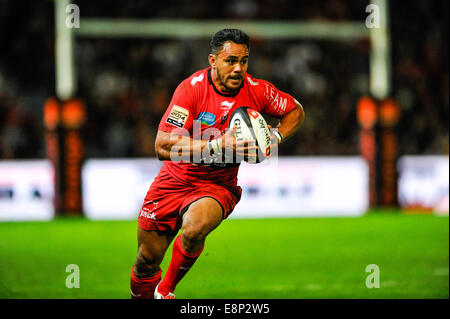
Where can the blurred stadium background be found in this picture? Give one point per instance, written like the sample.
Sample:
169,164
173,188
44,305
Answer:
79,110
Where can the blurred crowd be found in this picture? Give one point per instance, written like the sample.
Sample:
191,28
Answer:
127,83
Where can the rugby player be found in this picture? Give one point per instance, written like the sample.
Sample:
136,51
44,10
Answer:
195,196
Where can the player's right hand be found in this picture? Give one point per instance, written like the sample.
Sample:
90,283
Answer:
242,150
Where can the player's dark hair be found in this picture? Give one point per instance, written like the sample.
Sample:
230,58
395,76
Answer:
224,35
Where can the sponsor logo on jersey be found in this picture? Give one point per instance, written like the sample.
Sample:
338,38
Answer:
149,210
178,116
224,117
276,101
252,82
197,79
226,105
206,118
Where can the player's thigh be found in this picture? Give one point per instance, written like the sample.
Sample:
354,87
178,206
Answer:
202,217
152,246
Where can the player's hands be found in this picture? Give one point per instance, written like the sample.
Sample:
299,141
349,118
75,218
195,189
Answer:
245,149
228,141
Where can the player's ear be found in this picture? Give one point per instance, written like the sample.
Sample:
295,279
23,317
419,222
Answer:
212,60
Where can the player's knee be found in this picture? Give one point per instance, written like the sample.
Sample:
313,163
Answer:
146,264
193,233
199,221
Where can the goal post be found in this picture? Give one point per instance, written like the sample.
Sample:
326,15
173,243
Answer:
179,28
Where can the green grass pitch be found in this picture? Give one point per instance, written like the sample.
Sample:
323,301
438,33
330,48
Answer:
255,258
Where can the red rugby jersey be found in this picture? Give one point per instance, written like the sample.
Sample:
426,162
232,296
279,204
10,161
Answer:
198,99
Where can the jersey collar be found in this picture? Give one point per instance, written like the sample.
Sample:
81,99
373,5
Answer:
219,92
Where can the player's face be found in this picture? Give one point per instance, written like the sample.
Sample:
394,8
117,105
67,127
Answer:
230,66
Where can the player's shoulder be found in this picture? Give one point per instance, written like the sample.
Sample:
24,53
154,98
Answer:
192,86
198,77
256,84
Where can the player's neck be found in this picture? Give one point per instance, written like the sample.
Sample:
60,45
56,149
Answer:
218,84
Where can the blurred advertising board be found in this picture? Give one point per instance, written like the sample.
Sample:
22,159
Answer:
26,190
304,186
115,189
291,186
424,183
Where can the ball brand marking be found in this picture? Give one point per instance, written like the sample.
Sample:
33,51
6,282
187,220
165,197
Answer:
261,123
266,131
237,122
250,124
253,114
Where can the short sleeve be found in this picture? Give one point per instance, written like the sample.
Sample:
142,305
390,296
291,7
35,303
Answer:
272,101
180,112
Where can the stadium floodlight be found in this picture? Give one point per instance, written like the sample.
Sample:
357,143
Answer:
178,28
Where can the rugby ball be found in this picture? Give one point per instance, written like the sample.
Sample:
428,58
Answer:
251,125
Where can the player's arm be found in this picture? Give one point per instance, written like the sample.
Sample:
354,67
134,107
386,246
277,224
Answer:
174,147
280,105
290,122
174,140
170,146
